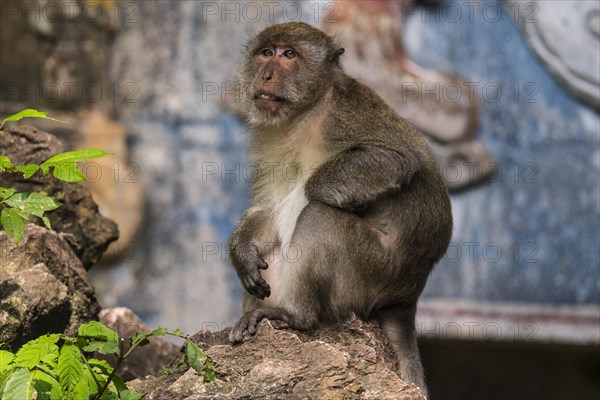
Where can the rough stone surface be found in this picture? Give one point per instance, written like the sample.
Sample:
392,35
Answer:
57,56
148,360
44,288
348,361
90,232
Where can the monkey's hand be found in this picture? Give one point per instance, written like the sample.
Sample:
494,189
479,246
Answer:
253,280
245,254
248,264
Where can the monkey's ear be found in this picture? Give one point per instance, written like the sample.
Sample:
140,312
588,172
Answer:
337,54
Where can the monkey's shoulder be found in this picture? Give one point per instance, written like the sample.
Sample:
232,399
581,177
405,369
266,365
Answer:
361,113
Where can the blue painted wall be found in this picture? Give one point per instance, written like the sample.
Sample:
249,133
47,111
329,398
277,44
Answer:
530,235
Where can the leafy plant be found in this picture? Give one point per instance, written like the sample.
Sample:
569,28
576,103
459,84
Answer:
65,166
28,113
56,366
18,207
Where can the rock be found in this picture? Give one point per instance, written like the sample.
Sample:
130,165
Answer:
148,360
78,216
347,361
44,287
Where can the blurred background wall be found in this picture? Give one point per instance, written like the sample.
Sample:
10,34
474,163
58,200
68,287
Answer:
506,92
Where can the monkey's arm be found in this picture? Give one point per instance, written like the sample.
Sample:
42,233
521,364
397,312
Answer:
244,248
357,176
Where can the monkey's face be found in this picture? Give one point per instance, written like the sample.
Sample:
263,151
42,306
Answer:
277,68
286,70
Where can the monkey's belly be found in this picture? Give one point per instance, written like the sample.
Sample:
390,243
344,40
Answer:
287,211
285,215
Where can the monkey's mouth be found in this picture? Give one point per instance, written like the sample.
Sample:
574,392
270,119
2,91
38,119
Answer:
268,101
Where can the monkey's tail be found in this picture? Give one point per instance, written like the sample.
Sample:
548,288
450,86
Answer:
398,324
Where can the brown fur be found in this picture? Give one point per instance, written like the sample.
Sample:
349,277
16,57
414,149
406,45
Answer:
349,211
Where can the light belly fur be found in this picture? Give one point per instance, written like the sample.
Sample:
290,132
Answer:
286,212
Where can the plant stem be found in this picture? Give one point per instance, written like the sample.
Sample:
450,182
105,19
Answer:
112,373
91,371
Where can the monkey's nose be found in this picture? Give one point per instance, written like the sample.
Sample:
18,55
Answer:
267,74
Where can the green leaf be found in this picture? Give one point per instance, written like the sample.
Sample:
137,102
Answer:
86,385
40,349
119,383
5,164
46,221
46,386
5,193
19,385
103,370
4,377
192,355
108,395
28,113
50,360
178,332
139,339
13,223
173,367
98,337
23,384
70,368
130,395
75,156
27,170
160,331
68,173
34,203
111,391
100,367
51,338
209,375
5,358
24,204
65,164
97,330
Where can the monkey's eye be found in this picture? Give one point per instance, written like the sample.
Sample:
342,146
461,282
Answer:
289,54
267,52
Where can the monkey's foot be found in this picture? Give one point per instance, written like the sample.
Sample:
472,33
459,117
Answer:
250,320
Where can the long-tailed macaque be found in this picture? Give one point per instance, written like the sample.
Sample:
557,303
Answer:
349,211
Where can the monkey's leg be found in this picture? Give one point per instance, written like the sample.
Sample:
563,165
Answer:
398,324
319,274
249,321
